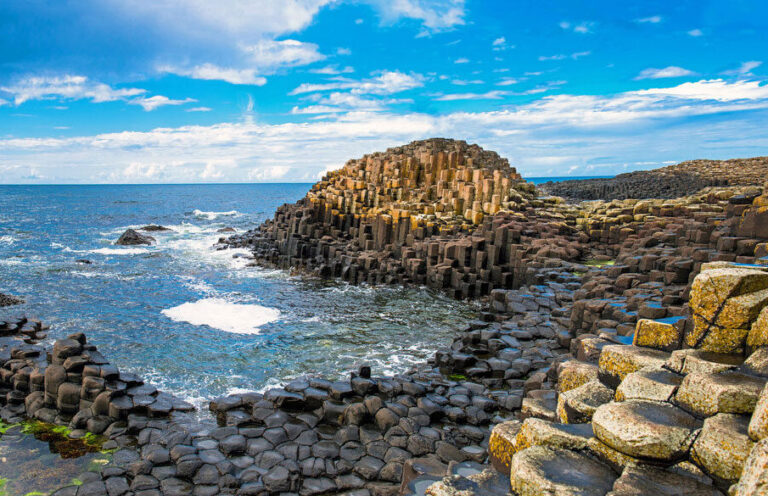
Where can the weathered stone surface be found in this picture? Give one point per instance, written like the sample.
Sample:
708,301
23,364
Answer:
502,444
655,384
758,334
577,406
645,429
754,476
730,392
539,470
575,373
662,335
617,361
539,432
645,480
758,425
723,446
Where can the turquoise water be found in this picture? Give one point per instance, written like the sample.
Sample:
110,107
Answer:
194,321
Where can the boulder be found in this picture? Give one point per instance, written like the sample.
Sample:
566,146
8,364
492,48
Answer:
131,237
758,425
662,335
575,373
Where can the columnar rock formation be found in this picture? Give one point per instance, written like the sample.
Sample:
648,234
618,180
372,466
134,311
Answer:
672,181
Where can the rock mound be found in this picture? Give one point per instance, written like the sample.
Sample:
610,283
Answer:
685,178
131,237
8,300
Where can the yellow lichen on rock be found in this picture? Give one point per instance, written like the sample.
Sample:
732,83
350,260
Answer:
502,444
654,334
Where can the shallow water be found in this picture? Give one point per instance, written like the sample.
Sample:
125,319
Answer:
38,464
194,321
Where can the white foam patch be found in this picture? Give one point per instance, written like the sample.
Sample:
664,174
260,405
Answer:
214,215
118,251
7,240
226,316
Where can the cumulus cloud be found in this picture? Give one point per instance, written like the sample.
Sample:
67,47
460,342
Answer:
547,136
695,33
671,71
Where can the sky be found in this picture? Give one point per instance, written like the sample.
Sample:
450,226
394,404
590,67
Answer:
186,91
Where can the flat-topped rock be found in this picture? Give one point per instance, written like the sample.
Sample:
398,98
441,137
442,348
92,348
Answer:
708,394
657,384
539,470
645,429
617,361
576,406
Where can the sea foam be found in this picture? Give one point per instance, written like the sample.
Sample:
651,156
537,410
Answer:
238,318
214,215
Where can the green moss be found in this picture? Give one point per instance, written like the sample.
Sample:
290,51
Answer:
599,263
457,377
578,273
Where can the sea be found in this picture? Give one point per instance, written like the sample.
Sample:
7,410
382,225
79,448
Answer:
192,320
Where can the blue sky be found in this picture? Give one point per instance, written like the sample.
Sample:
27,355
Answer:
155,91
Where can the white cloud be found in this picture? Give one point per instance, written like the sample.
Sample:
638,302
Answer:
332,70
358,21
602,132
154,102
574,56
256,60
499,41
581,28
508,81
671,71
490,95
464,82
435,15
69,87
214,72
343,51
714,89
4,102
338,102
649,20
745,69
695,33
500,44
462,60
385,83
269,173
199,109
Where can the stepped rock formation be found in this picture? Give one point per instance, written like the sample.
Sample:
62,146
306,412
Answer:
673,181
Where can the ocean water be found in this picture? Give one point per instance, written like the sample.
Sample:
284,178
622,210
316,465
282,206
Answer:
557,179
195,321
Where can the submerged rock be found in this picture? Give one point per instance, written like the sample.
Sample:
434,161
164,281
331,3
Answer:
155,228
131,237
8,300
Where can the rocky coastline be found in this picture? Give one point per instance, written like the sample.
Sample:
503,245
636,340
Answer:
623,349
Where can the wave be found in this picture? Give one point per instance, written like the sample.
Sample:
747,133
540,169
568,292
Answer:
221,314
7,240
214,215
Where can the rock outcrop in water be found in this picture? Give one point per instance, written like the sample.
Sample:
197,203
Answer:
8,300
131,237
673,181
